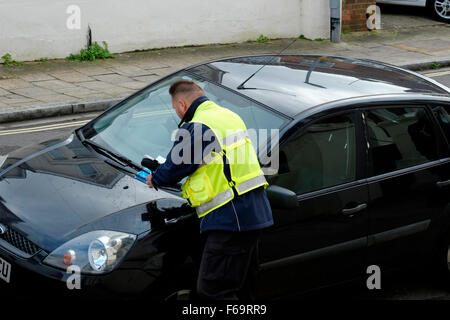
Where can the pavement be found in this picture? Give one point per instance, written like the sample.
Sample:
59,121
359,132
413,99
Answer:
59,87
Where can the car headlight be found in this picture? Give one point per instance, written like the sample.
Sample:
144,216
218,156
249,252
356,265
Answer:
94,252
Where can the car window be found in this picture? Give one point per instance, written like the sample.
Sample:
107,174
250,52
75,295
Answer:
322,155
399,138
144,124
444,119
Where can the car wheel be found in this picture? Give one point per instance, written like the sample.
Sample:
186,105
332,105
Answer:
440,9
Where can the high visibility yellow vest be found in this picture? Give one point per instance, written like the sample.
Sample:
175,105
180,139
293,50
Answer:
208,188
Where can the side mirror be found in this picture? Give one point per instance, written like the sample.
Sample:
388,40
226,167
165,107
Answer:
281,198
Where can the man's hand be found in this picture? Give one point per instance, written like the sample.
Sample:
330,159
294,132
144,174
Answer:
149,181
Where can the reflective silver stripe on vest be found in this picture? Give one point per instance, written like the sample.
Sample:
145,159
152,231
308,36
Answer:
251,183
234,137
218,199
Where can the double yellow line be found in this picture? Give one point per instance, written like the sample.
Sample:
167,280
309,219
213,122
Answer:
44,128
437,74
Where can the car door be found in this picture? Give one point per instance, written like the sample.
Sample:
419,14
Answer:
441,113
322,240
404,171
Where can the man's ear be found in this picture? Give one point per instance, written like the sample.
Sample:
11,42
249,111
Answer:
184,104
179,103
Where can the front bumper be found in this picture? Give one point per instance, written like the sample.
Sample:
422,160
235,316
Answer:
30,278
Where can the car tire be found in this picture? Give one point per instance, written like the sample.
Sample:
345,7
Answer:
440,9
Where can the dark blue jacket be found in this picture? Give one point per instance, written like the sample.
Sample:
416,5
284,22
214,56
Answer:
249,211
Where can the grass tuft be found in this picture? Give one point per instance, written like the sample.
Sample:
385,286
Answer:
93,52
8,61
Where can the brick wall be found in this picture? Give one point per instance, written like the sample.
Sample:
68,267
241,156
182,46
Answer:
354,14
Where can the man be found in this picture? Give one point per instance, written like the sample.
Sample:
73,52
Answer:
225,187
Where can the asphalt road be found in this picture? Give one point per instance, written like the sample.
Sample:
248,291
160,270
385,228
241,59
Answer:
412,284
440,75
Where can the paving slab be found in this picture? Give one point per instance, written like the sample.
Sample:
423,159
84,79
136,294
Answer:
9,84
96,85
3,92
20,105
53,84
112,78
32,92
13,98
72,76
36,76
77,91
148,79
130,70
57,98
91,70
134,85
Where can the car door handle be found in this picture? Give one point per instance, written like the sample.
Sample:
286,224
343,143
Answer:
441,184
354,210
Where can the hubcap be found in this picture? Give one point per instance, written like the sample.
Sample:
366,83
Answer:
442,8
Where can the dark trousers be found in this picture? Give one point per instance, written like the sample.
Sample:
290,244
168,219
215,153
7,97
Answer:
229,265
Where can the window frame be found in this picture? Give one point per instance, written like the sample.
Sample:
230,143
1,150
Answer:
444,142
391,105
360,154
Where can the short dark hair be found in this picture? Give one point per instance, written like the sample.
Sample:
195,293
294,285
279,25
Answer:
184,86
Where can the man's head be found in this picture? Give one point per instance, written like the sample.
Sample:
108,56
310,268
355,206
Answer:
183,93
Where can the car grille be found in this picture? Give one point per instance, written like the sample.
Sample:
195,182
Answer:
20,242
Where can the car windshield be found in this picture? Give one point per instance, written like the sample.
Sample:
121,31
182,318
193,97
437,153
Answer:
145,124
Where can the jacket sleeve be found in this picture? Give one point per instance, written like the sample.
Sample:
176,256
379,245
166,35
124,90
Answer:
189,148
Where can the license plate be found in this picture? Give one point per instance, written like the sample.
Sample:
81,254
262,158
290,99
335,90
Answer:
5,270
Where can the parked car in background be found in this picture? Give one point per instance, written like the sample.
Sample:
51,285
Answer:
363,178
439,8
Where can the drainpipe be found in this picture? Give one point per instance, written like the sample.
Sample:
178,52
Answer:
335,22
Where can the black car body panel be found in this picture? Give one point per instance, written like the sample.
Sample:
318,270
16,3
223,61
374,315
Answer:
83,189
64,190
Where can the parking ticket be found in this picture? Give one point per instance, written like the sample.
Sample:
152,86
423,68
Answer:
142,175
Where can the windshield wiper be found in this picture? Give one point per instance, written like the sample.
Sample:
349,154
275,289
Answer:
123,161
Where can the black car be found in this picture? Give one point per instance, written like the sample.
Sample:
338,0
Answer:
356,153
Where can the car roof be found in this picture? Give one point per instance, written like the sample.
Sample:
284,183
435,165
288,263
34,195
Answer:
294,83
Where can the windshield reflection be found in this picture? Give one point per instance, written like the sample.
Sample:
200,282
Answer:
145,124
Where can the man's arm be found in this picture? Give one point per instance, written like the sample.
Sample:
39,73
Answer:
172,171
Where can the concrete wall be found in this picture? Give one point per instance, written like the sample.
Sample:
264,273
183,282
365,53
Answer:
315,19
32,29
